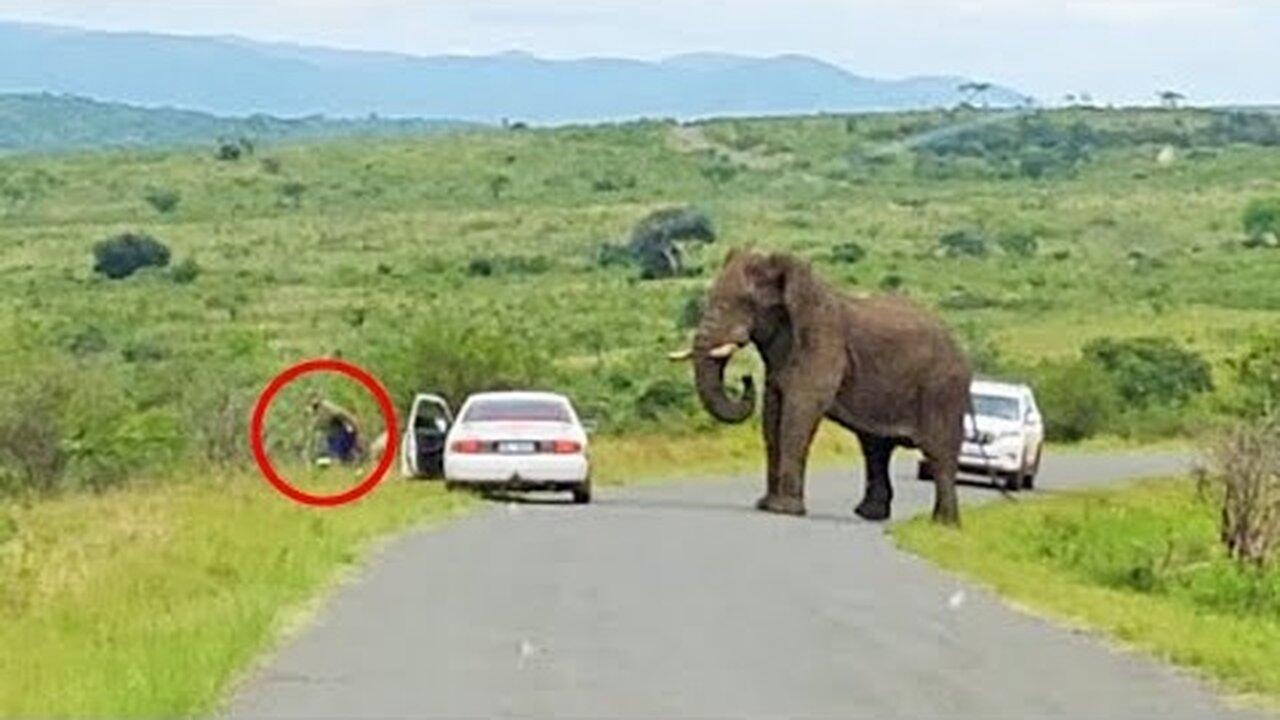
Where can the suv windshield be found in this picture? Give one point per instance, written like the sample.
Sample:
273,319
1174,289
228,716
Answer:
517,410
1003,407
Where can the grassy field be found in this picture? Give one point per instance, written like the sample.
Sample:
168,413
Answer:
1142,565
448,263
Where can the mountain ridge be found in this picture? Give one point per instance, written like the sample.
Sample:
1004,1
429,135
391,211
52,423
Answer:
239,76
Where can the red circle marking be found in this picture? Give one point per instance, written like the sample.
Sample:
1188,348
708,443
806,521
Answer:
293,373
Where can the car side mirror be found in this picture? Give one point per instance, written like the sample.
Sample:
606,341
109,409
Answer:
590,426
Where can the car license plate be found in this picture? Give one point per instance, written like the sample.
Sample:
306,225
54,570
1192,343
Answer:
516,448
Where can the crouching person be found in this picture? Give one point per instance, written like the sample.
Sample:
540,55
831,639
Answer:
340,429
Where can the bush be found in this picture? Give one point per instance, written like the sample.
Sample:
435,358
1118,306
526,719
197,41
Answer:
232,150
164,201
480,267
612,255
1151,371
1258,377
663,399
185,272
892,282
123,255
1262,216
32,454
850,253
455,361
963,243
1019,244
1078,399
1244,476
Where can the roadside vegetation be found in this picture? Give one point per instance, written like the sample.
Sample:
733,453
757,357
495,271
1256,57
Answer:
1122,261
1186,569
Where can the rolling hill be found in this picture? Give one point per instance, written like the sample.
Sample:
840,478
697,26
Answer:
234,76
53,123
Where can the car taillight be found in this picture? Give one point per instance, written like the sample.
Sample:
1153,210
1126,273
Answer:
566,447
466,447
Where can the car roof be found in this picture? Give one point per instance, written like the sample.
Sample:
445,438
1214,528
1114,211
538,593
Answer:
997,387
518,395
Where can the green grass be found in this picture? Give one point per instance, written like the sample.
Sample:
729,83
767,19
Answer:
149,601
1139,564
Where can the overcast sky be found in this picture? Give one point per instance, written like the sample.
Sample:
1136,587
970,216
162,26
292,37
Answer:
1119,50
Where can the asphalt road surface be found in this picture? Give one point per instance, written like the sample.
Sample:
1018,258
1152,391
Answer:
680,601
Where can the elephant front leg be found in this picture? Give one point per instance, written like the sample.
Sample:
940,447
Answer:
877,452
797,427
771,421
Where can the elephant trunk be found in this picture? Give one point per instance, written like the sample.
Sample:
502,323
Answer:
709,379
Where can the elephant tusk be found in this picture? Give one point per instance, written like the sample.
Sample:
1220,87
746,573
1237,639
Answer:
724,351
680,355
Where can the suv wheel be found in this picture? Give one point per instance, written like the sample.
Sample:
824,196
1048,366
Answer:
1029,477
582,494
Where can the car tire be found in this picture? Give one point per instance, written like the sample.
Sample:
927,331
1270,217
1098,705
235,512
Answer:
1029,478
1013,482
582,494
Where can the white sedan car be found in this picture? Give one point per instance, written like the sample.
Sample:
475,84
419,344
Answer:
521,441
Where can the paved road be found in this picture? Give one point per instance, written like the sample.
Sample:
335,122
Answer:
678,601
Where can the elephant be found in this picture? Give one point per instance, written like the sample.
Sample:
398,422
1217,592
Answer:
882,367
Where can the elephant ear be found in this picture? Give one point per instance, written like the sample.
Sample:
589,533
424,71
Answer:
788,281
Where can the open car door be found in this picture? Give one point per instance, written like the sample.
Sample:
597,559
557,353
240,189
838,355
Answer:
422,449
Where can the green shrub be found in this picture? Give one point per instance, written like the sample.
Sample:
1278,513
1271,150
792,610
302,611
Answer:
664,399
892,282
1019,244
185,272
162,200
454,361
963,243
1262,216
612,255
1151,371
480,267
1258,377
123,255
1078,399
849,253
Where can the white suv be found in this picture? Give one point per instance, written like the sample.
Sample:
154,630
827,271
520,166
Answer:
1004,438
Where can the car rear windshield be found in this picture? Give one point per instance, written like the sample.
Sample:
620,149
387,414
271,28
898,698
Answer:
517,410
999,406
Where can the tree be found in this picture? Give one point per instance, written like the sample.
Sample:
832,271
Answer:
1171,99
655,241
975,91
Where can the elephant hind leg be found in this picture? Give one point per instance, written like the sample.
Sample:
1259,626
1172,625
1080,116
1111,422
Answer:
946,502
877,452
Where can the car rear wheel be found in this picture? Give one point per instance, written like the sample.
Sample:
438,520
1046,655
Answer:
582,494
